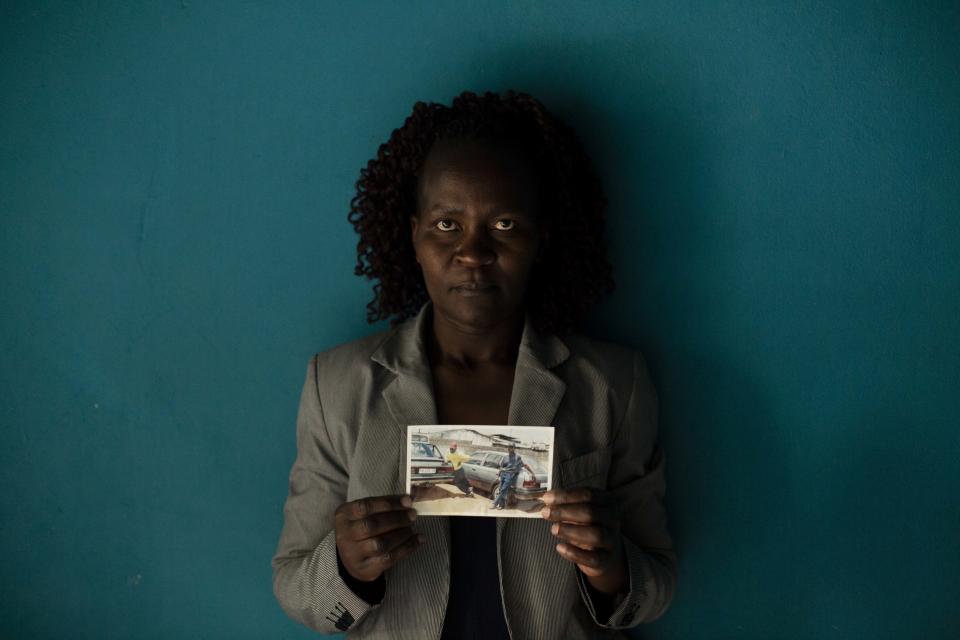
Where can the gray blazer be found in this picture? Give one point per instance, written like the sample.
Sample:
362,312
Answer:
351,443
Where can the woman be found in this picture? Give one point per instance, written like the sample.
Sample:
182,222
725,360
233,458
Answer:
483,224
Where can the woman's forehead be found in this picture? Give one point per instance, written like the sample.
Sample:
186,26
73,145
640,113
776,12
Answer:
476,171
445,152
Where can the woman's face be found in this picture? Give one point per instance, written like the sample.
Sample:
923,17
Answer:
475,232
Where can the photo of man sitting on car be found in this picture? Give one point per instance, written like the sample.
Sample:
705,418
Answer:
509,469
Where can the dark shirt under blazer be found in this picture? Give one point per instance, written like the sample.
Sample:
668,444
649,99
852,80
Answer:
357,401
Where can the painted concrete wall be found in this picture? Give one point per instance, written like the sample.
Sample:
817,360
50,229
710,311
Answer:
783,180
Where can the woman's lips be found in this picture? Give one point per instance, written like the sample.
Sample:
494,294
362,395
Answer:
474,289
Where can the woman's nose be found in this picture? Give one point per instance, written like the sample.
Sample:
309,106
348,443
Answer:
475,250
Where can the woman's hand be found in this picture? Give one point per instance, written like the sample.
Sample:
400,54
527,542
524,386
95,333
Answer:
586,522
375,533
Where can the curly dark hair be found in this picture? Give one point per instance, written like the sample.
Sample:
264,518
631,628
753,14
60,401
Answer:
573,272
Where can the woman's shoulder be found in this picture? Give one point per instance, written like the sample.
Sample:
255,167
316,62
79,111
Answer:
612,360
341,359
613,368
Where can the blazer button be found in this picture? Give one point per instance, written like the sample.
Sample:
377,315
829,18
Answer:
340,617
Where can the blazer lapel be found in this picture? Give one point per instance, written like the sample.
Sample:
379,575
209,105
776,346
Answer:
525,546
409,395
409,398
537,391
535,396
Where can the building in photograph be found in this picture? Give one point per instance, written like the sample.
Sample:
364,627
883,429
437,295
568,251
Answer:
470,440
469,437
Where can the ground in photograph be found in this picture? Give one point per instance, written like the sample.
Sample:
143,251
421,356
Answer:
447,498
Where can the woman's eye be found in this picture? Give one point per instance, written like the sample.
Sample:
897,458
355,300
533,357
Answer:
445,225
504,225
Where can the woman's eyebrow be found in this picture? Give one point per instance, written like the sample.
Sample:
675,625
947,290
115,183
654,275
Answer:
444,208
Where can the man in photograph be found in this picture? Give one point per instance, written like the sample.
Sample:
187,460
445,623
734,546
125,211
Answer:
459,476
509,469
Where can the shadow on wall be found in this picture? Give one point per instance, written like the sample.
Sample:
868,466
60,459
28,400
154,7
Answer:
728,469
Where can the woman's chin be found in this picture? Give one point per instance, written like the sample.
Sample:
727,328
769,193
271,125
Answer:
477,314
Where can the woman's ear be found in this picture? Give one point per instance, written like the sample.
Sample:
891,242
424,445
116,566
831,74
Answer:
414,224
544,243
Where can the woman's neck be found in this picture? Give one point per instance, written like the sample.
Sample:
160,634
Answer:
452,347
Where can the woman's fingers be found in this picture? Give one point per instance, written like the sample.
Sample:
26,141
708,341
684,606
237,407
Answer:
371,517
359,509
581,513
584,536
367,559
579,494
591,563
383,561
387,542
375,525
582,505
374,533
588,526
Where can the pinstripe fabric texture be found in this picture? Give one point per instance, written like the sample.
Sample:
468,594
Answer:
357,401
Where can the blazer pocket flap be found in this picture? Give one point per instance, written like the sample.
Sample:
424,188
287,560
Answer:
587,470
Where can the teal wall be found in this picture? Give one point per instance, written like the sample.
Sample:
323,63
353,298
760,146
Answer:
785,227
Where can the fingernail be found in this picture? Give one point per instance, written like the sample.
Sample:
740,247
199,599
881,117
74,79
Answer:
555,529
406,501
548,497
545,512
412,515
560,547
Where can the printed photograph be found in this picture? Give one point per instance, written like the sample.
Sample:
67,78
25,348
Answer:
473,470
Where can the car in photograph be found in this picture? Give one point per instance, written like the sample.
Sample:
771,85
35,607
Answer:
483,468
427,464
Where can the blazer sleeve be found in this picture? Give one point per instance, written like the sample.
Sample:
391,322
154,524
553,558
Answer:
636,478
306,580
